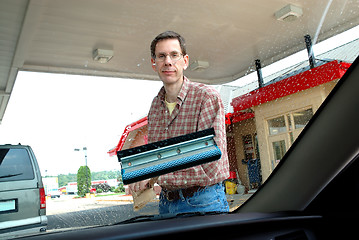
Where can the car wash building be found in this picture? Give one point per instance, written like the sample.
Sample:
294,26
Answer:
266,121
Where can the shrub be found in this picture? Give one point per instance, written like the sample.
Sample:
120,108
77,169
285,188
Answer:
120,188
83,180
103,186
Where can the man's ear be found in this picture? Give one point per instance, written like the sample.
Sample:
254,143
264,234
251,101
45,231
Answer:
153,64
186,61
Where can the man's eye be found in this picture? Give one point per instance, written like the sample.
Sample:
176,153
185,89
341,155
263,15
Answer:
162,56
174,54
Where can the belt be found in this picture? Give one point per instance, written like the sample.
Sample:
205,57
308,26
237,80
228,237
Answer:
172,195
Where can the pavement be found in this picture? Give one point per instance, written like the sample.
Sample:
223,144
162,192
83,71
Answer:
68,212
68,203
234,200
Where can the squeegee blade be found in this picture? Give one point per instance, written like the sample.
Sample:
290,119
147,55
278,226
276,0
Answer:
155,159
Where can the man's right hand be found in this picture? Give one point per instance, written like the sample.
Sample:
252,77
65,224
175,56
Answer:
140,186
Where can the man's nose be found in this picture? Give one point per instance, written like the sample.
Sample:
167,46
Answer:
168,60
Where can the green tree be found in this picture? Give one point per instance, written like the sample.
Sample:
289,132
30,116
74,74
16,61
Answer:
83,180
64,179
105,175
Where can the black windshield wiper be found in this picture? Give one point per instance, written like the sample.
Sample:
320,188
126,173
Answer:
11,175
144,218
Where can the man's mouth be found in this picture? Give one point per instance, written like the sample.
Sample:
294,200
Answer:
168,71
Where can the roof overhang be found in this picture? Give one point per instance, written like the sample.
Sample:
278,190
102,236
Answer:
61,36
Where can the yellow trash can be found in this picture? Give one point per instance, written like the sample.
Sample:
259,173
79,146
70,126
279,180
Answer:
231,187
231,183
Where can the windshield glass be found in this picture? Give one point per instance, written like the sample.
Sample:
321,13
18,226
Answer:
80,82
15,165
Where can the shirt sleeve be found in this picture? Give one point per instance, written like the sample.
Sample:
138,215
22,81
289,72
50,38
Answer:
212,115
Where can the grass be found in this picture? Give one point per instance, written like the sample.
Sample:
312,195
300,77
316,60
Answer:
109,194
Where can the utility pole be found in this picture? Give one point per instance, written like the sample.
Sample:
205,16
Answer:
85,152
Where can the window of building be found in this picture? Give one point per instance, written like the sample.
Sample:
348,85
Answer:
279,149
301,118
277,125
284,129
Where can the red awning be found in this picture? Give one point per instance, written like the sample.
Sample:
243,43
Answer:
302,81
238,116
129,128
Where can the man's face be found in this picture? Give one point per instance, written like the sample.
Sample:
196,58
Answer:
170,71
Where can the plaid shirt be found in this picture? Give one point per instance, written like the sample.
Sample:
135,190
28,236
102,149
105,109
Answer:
198,107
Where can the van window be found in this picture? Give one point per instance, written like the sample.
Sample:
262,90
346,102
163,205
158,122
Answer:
15,165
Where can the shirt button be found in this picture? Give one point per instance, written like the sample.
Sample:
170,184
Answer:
185,181
166,128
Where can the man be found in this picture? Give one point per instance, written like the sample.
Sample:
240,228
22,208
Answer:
183,107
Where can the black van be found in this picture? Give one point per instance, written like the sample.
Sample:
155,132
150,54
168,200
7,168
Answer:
22,195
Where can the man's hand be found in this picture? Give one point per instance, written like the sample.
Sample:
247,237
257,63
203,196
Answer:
140,186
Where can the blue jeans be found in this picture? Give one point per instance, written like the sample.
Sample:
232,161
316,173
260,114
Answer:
210,199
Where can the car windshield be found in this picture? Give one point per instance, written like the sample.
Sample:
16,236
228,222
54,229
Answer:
78,81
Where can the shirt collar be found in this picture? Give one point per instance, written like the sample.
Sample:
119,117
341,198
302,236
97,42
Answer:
181,95
184,90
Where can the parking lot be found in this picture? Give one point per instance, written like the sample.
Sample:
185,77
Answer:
68,203
68,212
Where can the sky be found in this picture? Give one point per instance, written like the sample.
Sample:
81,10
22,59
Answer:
57,113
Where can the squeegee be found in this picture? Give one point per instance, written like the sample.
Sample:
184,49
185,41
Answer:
173,154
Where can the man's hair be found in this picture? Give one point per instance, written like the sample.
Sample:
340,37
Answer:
168,35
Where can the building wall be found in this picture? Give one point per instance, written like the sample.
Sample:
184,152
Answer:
311,98
140,137
241,129
50,183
